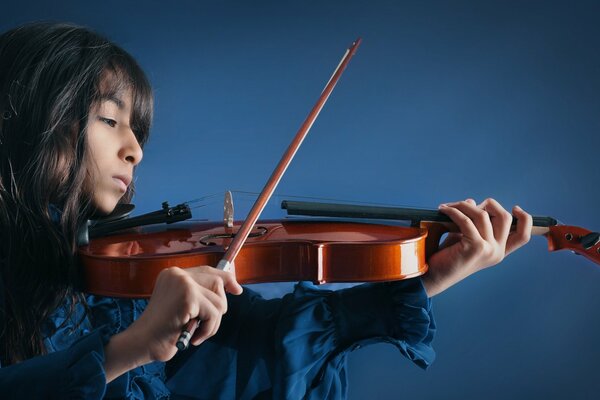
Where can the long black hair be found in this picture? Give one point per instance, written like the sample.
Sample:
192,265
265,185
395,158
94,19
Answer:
51,75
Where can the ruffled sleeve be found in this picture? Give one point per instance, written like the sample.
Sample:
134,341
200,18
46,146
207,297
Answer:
144,382
296,347
318,328
113,315
73,373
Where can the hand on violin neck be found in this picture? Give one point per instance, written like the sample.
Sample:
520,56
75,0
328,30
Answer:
484,240
179,296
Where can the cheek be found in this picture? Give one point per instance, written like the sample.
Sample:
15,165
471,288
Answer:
100,142
97,157
92,174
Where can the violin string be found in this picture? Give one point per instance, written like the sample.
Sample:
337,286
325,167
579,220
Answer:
203,198
278,195
250,194
205,204
247,195
198,206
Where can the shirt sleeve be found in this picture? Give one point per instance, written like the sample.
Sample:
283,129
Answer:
297,346
73,373
144,382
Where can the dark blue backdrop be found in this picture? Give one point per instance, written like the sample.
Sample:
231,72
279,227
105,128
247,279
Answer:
444,100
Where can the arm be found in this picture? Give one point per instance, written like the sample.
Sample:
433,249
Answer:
296,346
179,295
484,240
122,354
83,369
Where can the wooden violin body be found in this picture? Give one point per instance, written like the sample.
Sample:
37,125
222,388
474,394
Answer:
127,264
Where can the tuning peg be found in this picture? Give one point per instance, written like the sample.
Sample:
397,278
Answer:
590,240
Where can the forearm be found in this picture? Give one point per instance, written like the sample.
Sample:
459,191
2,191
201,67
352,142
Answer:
436,281
123,353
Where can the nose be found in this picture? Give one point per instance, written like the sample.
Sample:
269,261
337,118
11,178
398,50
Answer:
131,151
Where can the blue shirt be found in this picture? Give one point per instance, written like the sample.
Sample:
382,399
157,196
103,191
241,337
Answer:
294,347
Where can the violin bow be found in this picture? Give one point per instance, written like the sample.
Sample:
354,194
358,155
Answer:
227,262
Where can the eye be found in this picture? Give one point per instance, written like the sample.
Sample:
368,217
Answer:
110,122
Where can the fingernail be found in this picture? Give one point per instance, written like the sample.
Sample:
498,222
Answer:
518,208
442,205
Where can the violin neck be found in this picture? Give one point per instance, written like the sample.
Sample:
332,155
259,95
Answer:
413,215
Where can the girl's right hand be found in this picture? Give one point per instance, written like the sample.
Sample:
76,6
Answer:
181,295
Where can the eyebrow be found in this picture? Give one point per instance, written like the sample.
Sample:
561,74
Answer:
114,99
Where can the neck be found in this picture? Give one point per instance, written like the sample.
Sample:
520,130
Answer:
415,216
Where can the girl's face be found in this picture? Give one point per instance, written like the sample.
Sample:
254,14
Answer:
113,150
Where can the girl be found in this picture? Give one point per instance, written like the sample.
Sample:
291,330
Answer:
75,113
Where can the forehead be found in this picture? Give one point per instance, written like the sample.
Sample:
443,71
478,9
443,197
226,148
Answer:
114,87
120,99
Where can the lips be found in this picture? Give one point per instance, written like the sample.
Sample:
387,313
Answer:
123,181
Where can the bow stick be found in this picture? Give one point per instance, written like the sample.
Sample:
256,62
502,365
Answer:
227,262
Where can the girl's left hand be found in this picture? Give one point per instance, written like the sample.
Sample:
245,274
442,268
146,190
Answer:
484,240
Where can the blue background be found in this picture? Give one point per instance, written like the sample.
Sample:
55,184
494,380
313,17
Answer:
443,101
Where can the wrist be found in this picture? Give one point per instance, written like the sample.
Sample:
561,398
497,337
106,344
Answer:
438,278
124,352
430,284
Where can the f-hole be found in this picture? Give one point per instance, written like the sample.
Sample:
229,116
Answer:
207,240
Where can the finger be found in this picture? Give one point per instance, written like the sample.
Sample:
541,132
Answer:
501,219
221,293
231,284
228,278
522,234
480,219
465,224
210,317
218,300
205,329
209,277
197,297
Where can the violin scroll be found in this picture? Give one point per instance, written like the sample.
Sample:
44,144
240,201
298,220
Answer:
579,240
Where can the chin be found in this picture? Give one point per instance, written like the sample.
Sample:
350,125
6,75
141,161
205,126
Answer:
105,206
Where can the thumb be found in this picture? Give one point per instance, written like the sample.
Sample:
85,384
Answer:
231,284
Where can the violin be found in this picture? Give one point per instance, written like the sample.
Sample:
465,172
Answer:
127,264
338,249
